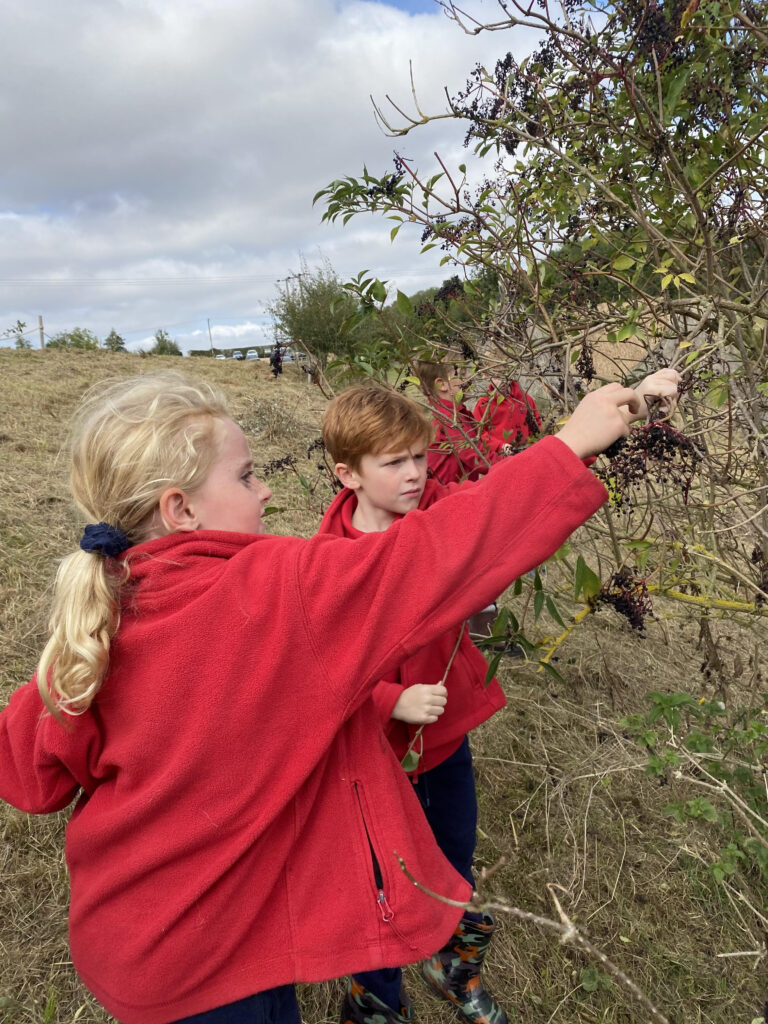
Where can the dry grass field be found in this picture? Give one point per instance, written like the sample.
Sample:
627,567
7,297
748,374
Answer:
563,794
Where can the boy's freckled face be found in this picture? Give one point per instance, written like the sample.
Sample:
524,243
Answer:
392,482
231,497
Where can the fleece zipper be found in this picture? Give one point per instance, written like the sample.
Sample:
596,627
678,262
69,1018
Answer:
384,908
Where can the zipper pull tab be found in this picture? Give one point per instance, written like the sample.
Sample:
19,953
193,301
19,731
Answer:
387,913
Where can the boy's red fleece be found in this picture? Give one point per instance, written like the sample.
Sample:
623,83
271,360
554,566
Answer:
508,418
470,701
233,782
458,452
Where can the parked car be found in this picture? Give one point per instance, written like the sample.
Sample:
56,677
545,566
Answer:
220,355
237,354
289,356
251,354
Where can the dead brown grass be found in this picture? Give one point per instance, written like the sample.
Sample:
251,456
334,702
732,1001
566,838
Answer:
564,798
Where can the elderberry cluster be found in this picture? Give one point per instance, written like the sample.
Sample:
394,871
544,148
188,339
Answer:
656,448
585,364
278,465
317,445
628,595
453,288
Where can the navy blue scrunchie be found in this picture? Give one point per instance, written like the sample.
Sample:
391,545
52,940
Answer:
104,539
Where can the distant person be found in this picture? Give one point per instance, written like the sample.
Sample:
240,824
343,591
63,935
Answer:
204,697
276,361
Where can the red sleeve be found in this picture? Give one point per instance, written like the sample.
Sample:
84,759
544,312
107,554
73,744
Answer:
385,695
369,603
32,776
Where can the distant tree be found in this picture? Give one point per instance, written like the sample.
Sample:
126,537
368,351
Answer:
78,337
114,342
16,332
313,307
164,345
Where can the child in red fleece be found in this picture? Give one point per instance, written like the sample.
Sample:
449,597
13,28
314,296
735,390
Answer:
216,764
378,440
507,415
459,451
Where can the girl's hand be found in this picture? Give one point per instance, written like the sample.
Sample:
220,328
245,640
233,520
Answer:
421,704
662,387
600,418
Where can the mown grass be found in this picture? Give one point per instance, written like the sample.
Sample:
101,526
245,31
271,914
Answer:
563,795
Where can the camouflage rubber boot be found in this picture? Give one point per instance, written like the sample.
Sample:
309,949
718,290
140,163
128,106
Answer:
454,972
362,1007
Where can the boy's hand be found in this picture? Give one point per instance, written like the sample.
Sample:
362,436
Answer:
600,418
661,386
421,704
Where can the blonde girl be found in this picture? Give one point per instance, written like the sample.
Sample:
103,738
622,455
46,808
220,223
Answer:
204,701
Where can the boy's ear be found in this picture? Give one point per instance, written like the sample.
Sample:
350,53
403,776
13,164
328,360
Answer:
176,511
347,476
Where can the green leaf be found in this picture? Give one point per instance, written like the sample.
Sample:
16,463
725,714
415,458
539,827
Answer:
562,552
501,623
585,581
677,84
493,667
404,304
410,762
701,808
552,609
590,979
627,331
551,671
623,263
378,291
538,603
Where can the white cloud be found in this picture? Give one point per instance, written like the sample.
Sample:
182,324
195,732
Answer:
165,153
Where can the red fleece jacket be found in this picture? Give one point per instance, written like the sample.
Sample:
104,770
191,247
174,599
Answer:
506,419
470,701
458,451
232,779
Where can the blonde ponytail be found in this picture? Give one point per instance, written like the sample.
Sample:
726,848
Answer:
130,442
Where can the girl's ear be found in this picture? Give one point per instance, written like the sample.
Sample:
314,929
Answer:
347,476
176,511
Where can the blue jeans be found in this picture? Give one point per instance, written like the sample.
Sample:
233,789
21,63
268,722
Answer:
448,798
273,1006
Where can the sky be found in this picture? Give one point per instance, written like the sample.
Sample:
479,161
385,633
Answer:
160,156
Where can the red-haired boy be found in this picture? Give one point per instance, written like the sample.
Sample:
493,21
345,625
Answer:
378,440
